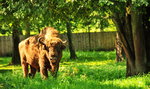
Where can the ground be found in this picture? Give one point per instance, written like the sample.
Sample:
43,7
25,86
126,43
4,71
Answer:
92,70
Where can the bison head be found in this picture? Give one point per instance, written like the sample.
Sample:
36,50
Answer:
53,47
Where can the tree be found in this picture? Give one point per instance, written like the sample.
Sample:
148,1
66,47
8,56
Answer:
13,16
11,19
119,49
62,12
130,25
16,40
131,18
69,35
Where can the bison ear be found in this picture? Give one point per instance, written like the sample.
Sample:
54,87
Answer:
40,40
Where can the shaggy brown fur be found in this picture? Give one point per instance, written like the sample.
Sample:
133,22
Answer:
42,52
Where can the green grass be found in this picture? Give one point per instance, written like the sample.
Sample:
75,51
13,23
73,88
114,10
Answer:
92,70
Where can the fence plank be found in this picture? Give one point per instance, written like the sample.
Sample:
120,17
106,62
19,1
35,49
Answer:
81,41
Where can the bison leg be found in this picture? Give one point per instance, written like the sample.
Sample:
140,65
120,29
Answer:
54,71
43,69
43,72
25,69
32,72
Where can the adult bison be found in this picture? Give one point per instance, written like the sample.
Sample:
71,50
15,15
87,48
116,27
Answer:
42,52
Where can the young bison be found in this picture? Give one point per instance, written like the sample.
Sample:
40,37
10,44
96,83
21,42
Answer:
42,52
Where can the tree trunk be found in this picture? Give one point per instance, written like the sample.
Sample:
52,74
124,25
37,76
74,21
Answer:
129,42
131,29
139,42
16,40
27,31
123,25
119,49
125,38
69,35
147,36
146,26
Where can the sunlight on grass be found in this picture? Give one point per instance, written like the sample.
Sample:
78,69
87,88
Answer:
4,61
131,82
4,64
97,62
9,67
88,63
92,70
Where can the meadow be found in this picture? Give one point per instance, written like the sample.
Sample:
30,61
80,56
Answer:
92,70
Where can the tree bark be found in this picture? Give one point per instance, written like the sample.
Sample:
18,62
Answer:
139,42
125,38
27,31
131,28
27,34
129,40
69,35
147,36
16,40
146,26
123,24
119,49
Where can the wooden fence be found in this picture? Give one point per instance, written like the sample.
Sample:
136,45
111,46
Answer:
81,41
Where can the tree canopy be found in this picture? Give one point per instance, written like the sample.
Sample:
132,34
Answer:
35,14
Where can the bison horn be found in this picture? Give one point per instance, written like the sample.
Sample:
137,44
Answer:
39,40
64,42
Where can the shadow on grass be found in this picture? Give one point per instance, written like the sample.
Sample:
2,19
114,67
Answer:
84,59
4,65
90,56
2,61
5,70
96,72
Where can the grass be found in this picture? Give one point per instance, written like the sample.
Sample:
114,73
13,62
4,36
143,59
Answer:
92,70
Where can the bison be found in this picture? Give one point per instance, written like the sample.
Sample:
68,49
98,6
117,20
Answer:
41,52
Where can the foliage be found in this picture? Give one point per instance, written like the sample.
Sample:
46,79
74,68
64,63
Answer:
33,14
19,12
92,70
81,13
